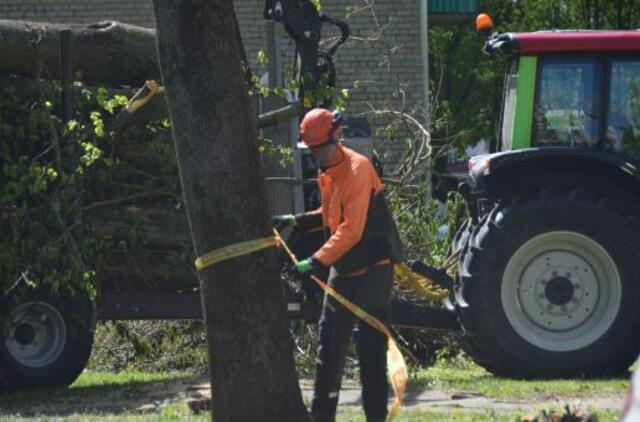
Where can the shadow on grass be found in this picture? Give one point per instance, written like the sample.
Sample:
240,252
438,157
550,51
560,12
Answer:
110,397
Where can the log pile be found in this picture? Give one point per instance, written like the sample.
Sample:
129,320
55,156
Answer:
104,53
107,52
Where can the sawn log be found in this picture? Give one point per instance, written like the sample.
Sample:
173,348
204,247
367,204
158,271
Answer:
108,52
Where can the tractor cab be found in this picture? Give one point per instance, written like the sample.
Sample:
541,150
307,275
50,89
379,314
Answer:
576,88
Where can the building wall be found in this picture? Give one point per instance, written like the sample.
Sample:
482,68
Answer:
375,70
137,12
380,68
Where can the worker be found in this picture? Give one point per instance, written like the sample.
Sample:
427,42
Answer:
361,245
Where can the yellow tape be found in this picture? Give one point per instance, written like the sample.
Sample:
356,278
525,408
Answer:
419,283
143,96
396,367
397,371
237,249
307,101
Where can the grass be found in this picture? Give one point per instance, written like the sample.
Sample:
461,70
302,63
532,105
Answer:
98,392
91,382
461,374
108,379
119,396
347,414
171,413
352,414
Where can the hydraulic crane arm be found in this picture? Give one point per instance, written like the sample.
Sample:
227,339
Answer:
303,23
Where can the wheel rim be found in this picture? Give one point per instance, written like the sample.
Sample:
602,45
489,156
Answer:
35,334
561,291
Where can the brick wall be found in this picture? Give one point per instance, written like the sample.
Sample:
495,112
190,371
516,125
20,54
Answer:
137,12
381,66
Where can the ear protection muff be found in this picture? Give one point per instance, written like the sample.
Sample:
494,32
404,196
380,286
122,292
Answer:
337,118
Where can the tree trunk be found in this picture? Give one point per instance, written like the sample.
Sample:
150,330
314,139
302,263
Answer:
253,377
106,52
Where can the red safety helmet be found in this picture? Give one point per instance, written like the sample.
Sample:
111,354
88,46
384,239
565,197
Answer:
318,125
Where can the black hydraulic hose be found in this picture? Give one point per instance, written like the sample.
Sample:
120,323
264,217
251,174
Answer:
344,32
329,66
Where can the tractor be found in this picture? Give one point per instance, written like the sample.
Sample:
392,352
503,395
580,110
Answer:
548,274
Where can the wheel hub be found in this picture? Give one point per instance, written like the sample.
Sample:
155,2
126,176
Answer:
35,334
24,334
558,290
561,290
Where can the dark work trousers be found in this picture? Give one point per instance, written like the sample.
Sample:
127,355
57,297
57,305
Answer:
371,292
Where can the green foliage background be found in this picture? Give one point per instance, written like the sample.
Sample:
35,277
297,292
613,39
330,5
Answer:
56,176
468,85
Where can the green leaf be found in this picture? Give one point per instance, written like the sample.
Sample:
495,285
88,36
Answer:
98,123
72,125
52,174
263,59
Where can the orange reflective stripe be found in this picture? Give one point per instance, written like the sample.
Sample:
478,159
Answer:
380,263
363,271
356,273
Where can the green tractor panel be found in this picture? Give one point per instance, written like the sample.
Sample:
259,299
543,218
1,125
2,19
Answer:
549,270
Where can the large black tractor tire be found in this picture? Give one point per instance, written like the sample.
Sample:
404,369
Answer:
553,286
461,237
46,339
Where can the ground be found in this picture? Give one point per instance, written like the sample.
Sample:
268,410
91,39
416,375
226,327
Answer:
118,396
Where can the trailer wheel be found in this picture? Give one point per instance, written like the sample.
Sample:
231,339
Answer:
552,286
46,339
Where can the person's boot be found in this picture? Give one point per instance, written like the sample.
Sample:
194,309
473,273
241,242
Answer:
323,417
324,408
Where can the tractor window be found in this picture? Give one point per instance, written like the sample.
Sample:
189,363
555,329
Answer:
566,108
509,101
623,113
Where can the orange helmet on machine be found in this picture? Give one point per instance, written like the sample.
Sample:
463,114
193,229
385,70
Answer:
318,126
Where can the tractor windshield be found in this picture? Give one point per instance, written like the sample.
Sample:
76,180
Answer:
566,110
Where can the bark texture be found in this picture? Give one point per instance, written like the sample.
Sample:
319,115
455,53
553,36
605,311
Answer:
252,371
105,52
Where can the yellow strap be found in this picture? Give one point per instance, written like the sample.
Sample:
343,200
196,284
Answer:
237,249
396,367
149,89
418,283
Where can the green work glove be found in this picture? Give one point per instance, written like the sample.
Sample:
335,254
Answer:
305,266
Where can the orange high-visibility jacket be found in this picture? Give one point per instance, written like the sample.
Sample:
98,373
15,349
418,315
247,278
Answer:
346,190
